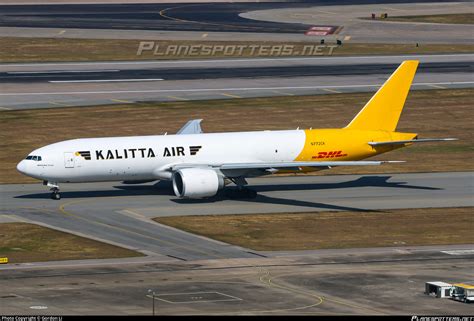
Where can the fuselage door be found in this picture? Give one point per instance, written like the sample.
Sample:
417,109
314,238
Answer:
69,160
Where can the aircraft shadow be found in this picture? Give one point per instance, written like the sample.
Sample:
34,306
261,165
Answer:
263,199
364,181
160,188
165,188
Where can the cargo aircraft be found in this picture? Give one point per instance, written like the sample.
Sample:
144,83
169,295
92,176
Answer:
200,164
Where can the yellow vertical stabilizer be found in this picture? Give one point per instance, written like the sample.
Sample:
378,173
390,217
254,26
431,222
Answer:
383,110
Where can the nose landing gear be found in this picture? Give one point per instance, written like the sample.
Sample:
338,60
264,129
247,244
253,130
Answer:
55,195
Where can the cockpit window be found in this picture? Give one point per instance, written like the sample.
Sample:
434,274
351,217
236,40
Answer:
34,158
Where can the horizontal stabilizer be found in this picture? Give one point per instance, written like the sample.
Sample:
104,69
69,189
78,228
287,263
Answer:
403,142
191,127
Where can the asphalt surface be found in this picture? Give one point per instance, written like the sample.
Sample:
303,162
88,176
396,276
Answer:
363,281
120,214
359,27
236,21
228,73
183,17
187,274
94,83
391,283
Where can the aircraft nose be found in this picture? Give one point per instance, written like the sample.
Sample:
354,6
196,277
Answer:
21,167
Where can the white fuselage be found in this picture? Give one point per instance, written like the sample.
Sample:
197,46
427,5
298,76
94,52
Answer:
148,157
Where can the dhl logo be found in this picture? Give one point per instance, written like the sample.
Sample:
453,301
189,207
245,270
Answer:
333,154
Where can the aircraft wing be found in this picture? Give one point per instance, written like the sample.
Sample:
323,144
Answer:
191,127
280,165
402,142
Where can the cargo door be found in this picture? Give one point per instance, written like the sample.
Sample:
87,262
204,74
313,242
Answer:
69,160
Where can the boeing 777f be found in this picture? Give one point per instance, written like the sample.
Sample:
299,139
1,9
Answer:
200,164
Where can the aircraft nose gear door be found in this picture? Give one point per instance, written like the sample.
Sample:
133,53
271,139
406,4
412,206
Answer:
69,160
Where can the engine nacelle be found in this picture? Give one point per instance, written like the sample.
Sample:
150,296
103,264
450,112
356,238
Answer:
196,182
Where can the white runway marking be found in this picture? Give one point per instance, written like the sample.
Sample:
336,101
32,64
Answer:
60,71
101,80
232,60
221,89
459,252
194,297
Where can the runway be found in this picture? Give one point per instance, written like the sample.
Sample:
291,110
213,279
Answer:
120,214
129,75
27,86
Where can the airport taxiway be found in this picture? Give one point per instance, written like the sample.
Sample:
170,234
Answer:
359,27
121,214
237,21
51,85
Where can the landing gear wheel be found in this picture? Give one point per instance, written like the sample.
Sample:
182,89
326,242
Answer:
55,195
240,193
249,193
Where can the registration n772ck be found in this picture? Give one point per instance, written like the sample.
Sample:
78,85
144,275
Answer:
201,164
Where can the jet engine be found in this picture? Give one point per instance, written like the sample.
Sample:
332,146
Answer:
196,182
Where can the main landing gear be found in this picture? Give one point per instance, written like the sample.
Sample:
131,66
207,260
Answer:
55,195
241,191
